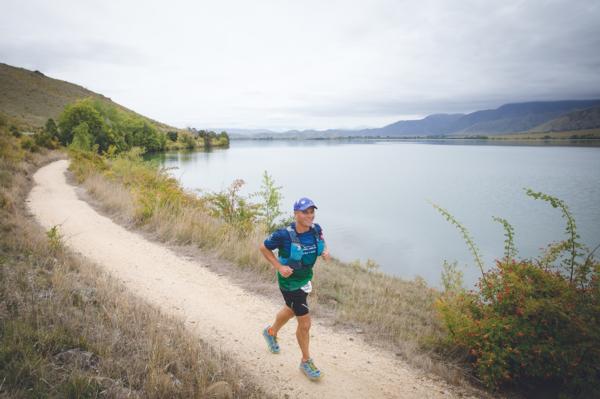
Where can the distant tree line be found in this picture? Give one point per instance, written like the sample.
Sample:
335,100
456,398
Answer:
208,136
91,124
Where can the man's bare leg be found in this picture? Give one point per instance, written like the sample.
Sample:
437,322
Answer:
282,317
303,335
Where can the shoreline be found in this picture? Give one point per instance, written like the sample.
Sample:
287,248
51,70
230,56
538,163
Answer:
592,142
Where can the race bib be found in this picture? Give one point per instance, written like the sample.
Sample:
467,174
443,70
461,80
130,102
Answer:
307,287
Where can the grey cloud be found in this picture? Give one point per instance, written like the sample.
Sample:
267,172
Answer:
381,60
400,107
52,54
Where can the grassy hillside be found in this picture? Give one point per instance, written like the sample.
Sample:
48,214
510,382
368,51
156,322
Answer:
577,120
29,98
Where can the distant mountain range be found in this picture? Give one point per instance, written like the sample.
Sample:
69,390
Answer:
29,98
540,116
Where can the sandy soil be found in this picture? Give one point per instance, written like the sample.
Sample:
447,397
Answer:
221,313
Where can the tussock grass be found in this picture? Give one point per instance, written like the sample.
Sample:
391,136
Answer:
390,312
69,330
114,197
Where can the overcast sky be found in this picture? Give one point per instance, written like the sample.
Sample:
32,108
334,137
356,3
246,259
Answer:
309,64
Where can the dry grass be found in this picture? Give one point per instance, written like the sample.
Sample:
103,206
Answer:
69,330
113,196
391,312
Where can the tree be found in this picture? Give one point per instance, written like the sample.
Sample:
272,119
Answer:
51,129
224,135
172,135
188,140
82,139
48,136
77,113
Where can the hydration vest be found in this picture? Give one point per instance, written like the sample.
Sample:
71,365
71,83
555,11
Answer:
297,251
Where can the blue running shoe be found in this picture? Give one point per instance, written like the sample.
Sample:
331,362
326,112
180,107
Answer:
271,340
310,370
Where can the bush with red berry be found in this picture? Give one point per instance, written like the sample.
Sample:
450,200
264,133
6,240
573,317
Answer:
531,322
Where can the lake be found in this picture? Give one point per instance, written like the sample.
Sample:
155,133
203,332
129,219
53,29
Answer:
374,197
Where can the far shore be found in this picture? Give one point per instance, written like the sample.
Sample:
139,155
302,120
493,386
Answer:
491,140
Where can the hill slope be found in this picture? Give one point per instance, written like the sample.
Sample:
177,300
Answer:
585,119
431,125
508,118
29,98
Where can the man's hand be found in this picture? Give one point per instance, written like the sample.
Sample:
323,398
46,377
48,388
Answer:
285,271
325,254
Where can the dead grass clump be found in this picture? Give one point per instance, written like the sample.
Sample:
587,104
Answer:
113,197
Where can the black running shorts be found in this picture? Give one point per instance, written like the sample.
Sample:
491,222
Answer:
296,300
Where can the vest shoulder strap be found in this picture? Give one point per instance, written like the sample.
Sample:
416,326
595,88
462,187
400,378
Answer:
316,232
293,236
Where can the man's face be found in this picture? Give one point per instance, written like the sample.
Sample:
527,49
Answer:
306,217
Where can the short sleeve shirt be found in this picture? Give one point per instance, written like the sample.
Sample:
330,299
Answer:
281,241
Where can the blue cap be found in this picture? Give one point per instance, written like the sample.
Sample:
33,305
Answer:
303,204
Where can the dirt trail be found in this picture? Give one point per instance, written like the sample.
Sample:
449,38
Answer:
223,314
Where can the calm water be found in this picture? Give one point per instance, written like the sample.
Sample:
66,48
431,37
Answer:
374,197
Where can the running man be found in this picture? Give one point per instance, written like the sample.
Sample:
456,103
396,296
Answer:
298,247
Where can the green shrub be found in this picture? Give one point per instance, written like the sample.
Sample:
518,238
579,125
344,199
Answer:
43,139
269,205
233,208
172,135
528,326
85,163
14,131
28,144
55,242
531,323
48,137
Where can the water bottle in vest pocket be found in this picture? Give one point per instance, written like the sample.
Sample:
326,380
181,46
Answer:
295,257
296,252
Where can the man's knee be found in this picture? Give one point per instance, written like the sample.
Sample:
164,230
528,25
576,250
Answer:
304,322
286,311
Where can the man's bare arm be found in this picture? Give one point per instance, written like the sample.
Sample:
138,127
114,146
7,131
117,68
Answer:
285,271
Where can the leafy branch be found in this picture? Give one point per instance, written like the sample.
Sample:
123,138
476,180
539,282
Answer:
510,252
466,236
571,229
